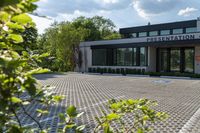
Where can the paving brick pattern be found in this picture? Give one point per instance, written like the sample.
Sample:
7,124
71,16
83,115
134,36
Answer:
89,93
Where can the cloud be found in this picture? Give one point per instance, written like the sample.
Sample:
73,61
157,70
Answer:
54,7
187,11
77,13
41,23
148,8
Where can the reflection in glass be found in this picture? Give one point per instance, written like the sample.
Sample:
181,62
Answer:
175,60
163,60
142,34
164,32
153,33
177,31
143,56
191,30
189,60
99,57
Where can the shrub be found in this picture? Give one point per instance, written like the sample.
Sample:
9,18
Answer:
138,71
118,71
89,69
98,70
123,72
143,71
195,76
128,71
105,70
94,70
113,70
109,70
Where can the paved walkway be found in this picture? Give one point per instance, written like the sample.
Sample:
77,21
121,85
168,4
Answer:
89,93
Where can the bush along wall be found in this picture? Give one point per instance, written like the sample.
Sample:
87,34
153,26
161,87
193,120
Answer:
125,71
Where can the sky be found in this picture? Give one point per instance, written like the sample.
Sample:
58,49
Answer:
124,13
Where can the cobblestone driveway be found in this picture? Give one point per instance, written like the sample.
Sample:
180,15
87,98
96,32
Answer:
89,93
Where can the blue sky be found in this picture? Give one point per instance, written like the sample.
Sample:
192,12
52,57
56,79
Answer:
124,13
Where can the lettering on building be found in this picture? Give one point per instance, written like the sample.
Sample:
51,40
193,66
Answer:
171,38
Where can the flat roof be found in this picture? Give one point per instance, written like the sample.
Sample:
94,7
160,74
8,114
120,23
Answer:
161,26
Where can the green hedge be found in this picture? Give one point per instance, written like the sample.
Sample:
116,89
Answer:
125,71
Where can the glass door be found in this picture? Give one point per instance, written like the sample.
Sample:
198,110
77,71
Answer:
175,55
163,62
189,60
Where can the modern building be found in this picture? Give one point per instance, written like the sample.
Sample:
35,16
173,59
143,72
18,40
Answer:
167,47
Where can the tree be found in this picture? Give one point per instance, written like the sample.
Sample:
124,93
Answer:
62,40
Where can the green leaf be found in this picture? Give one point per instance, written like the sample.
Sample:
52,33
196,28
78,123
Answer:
113,116
69,126
15,100
4,16
140,130
58,98
15,129
16,38
71,111
80,128
80,114
42,111
61,116
26,103
15,26
146,117
107,129
22,19
37,71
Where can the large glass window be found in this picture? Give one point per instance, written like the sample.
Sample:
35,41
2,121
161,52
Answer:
153,33
177,31
142,34
163,59
165,32
134,56
128,57
99,57
120,57
191,30
124,57
175,60
143,56
134,35
189,60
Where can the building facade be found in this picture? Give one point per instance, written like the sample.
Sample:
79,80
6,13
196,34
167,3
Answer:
168,47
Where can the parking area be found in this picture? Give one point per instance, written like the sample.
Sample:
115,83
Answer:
180,98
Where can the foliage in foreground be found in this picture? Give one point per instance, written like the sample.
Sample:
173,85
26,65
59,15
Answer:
68,120
140,111
18,88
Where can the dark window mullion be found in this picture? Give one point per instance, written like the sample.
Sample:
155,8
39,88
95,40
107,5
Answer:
138,56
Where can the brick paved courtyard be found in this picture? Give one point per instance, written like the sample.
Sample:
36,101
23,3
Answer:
89,93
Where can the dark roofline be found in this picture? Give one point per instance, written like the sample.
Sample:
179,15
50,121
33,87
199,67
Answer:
157,27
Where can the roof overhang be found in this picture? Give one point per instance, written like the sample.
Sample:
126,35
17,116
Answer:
183,39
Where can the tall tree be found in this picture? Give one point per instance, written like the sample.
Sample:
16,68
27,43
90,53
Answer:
61,40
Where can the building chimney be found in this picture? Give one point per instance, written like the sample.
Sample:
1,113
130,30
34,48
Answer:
149,23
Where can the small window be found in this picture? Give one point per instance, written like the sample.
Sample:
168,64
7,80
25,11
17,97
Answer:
165,32
153,33
191,30
134,35
177,31
142,34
